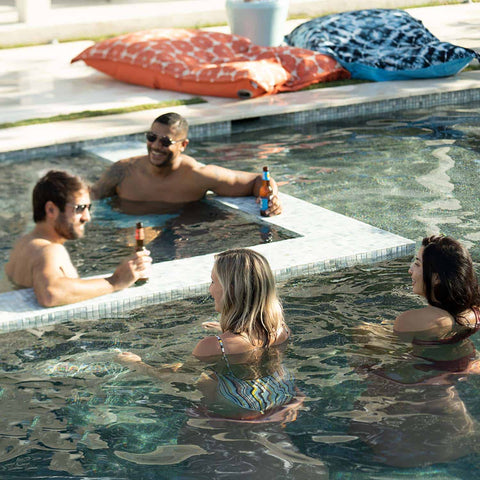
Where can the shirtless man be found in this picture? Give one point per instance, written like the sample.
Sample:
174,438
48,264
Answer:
168,176
61,208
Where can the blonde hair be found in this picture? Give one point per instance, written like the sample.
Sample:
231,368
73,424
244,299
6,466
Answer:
250,304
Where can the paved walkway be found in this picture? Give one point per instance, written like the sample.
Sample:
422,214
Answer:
69,19
40,82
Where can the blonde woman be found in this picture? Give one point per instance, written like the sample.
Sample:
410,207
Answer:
246,379
251,316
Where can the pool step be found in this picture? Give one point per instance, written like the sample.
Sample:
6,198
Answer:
114,151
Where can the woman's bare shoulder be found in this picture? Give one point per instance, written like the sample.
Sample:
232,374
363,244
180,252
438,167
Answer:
207,347
283,334
433,319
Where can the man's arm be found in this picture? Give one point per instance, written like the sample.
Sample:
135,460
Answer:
235,183
53,287
106,185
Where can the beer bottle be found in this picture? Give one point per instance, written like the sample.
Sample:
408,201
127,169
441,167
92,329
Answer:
266,234
139,246
265,191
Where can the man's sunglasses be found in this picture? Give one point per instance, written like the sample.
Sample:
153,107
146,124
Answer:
165,141
81,207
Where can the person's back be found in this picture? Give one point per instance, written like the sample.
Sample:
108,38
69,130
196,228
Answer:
28,255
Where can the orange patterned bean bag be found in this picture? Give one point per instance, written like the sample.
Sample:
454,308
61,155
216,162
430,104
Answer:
209,63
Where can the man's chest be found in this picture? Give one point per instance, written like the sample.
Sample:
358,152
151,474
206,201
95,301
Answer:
172,189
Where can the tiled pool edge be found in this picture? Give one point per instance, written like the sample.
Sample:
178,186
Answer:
378,107
310,106
323,247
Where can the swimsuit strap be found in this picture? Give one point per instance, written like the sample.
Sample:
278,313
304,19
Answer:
222,348
476,311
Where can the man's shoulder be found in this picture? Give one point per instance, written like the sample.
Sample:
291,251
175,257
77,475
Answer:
29,241
120,167
113,176
204,170
191,168
41,248
31,253
130,162
191,163
31,244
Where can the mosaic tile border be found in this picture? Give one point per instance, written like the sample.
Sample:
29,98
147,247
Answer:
316,250
368,109
385,106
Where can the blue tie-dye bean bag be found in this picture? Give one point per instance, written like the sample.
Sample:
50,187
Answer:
381,44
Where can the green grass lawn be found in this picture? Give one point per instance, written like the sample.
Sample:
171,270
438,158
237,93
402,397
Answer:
100,113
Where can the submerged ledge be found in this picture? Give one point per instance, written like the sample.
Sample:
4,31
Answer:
328,241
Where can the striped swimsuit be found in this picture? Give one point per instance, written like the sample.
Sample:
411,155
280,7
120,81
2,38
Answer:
258,395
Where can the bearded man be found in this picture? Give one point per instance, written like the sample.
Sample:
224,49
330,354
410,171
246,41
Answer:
39,259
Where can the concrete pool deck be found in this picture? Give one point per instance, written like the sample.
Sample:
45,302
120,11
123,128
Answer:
40,82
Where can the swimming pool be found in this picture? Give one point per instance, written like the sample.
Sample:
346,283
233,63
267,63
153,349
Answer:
71,410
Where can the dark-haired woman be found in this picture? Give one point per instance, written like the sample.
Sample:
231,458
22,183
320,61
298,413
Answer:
410,413
443,273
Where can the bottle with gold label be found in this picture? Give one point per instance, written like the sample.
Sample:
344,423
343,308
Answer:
139,246
266,191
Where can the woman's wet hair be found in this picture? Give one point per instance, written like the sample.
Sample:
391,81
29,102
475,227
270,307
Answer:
55,186
448,275
250,304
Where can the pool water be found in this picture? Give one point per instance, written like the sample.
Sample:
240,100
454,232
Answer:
374,407
69,408
195,229
425,163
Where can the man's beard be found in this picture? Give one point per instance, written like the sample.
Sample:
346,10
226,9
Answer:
167,160
66,229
